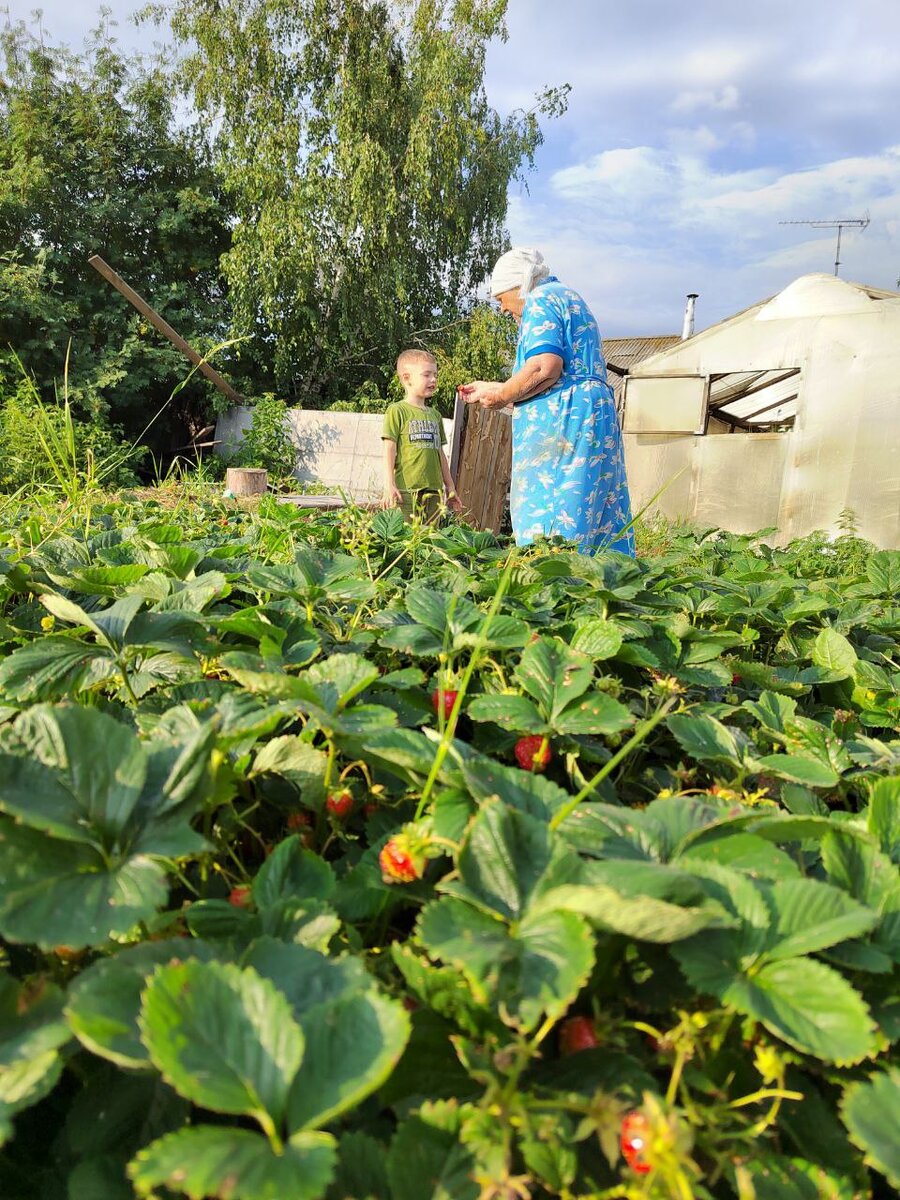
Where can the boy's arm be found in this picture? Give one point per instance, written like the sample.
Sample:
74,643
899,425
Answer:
391,497
452,499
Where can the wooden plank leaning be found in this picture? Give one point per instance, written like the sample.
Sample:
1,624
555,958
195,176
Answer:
164,328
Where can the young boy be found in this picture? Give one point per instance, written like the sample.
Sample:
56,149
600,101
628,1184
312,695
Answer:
416,471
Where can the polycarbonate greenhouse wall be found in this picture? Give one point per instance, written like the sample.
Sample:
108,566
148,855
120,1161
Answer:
823,355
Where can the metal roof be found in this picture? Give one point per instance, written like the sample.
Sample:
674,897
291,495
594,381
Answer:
622,353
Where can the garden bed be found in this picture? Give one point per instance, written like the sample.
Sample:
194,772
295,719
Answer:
349,858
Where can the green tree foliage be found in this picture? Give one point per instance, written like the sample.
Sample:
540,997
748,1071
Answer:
482,347
93,161
366,168
479,345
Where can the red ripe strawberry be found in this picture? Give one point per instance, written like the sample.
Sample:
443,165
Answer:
297,820
339,803
735,679
397,864
577,1034
633,1138
447,698
240,896
532,752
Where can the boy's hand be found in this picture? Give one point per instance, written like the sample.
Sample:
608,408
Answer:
391,497
454,503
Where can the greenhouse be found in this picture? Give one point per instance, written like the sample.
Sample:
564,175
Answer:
785,416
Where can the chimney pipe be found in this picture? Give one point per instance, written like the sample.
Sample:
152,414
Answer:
687,328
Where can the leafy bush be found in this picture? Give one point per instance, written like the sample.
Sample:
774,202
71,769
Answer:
479,345
24,459
345,858
368,398
268,442
483,346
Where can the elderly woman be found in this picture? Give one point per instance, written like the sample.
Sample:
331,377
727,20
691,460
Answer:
568,468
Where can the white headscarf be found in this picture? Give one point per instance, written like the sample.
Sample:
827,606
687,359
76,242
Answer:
520,267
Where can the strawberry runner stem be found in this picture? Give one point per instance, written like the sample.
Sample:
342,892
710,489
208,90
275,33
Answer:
640,734
474,659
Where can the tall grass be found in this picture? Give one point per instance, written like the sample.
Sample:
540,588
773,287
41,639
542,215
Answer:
75,471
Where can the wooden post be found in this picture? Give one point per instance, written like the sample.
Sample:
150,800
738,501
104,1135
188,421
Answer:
459,423
165,328
246,481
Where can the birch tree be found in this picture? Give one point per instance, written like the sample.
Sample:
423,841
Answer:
367,170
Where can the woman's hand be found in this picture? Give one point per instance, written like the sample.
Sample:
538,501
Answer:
391,497
483,392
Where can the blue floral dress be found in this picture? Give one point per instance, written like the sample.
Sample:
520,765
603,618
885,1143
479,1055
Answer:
568,466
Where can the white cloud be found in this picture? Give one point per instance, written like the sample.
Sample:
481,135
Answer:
633,182
692,131
848,180
637,228
633,177
725,99
702,141
616,175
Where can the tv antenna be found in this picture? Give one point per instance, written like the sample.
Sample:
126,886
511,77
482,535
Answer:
840,225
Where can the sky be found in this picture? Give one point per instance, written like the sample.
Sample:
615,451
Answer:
693,130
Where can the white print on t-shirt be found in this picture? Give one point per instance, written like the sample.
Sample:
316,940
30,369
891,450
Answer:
423,431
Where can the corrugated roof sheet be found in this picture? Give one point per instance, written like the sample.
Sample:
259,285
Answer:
625,352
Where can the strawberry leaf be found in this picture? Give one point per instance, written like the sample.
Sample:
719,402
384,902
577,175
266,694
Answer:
215,1161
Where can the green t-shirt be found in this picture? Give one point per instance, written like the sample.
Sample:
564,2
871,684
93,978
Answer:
419,434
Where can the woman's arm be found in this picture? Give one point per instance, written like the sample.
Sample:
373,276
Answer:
536,375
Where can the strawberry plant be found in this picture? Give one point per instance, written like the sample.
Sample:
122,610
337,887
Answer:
617,915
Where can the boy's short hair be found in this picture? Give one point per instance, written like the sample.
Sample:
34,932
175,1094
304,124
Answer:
406,358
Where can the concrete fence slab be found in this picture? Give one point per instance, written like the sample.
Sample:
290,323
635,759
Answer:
339,450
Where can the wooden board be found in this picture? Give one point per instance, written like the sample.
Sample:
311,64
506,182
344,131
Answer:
482,454
164,328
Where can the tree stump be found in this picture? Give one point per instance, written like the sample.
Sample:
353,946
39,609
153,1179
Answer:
246,481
